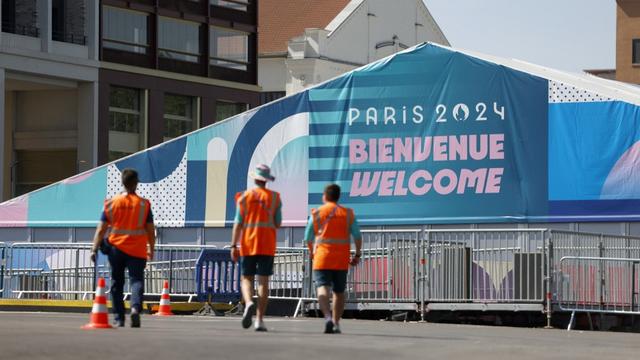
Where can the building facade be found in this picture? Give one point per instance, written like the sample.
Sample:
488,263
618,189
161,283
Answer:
170,67
49,80
628,41
88,81
330,37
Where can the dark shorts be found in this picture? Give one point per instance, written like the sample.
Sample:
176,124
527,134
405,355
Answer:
256,265
336,279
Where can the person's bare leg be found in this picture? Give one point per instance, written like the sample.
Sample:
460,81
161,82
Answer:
247,293
263,296
323,301
247,289
338,307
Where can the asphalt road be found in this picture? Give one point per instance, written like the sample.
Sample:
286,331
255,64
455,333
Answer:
58,336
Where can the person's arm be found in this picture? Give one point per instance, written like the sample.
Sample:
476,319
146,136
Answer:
277,218
151,236
236,232
309,236
101,229
151,240
357,239
235,240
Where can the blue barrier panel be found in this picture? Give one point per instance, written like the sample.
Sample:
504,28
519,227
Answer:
217,277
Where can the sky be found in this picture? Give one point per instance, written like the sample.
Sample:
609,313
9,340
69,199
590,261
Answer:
570,35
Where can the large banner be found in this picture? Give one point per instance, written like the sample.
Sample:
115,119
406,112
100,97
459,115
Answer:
427,136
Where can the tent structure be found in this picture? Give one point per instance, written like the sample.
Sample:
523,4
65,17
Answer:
429,135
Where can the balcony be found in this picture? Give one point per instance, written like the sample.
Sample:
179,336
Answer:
20,29
71,38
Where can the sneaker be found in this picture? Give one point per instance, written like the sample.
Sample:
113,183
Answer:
260,326
248,314
328,327
336,329
118,322
135,320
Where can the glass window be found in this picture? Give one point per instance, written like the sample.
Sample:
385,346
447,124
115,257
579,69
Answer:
636,51
228,48
127,132
179,40
226,109
180,115
124,30
231,4
20,17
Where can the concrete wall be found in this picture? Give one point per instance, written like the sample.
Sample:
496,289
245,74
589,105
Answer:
272,74
628,28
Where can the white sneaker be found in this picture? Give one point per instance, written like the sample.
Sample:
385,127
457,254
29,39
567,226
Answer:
336,329
248,314
259,325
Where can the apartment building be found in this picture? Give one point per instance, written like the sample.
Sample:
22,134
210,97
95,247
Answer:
88,81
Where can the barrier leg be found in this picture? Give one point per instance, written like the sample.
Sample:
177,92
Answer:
298,308
571,321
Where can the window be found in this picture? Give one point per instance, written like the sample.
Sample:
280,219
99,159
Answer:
231,4
124,30
228,48
127,130
636,51
225,109
20,17
180,115
179,40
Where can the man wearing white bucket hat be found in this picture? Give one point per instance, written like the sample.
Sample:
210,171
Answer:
258,215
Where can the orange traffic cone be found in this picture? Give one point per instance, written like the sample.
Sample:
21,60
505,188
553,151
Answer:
165,301
99,314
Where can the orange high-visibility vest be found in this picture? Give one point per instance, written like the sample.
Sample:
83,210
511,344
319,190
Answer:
127,214
258,209
332,224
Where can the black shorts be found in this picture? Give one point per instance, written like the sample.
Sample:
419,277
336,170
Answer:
336,279
256,265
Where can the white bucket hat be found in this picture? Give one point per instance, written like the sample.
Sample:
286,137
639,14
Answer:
262,173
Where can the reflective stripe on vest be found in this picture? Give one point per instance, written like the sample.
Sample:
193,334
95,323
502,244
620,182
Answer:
116,231
332,241
320,228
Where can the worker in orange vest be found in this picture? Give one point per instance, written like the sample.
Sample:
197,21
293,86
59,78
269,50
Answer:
328,234
258,215
130,245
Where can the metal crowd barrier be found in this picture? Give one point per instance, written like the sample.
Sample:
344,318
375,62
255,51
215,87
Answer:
64,271
598,285
3,264
486,266
291,274
475,269
387,269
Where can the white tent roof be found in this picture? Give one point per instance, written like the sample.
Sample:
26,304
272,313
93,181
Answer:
608,88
